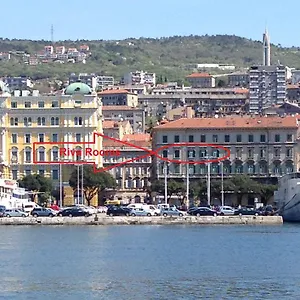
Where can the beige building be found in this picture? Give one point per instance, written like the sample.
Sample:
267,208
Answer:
116,129
260,147
118,97
37,123
133,177
180,112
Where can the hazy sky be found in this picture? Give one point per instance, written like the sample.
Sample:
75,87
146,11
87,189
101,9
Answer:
119,19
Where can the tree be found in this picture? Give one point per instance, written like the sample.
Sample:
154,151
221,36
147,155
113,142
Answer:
93,183
38,184
267,192
242,185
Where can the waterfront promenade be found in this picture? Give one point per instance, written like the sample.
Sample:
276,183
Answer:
101,219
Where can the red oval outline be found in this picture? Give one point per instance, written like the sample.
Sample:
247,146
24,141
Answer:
187,144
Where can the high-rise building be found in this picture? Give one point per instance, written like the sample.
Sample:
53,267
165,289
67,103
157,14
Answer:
266,49
267,87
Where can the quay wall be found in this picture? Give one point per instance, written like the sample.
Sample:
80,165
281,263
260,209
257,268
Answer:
106,220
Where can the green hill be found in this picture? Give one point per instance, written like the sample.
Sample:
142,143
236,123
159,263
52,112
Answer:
165,56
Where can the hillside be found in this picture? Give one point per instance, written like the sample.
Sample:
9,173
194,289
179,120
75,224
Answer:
165,56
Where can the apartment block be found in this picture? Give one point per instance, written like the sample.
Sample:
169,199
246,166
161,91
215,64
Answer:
118,97
238,79
89,79
139,77
18,83
267,87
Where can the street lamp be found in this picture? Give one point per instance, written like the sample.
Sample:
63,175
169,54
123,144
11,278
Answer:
222,183
166,182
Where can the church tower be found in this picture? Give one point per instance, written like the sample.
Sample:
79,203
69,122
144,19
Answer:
266,49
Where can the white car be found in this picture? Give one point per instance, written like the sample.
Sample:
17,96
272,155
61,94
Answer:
226,211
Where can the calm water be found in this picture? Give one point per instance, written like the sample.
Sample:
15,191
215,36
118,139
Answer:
150,262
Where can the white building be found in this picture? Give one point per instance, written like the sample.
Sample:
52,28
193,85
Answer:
267,87
89,79
139,77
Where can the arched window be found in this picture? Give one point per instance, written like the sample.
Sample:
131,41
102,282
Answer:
29,121
43,121
39,121
12,121
57,121
54,154
27,155
41,154
80,121
52,121
75,121
14,155
25,121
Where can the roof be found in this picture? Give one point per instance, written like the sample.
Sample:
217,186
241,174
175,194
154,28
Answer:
231,123
198,75
109,124
119,107
292,86
113,92
241,91
78,88
139,139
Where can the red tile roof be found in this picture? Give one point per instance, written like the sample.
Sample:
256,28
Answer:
231,123
113,92
198,75
292,86
241,91
109,124
139,139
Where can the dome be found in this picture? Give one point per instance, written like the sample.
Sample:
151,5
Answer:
78,88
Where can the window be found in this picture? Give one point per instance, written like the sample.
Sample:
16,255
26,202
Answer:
262,152
251,169
14,138
289,138
277,138
41,104
41,137
165,153
191,153
250,138
14,174
289,152
42,172
27,171
215,138
202,153
177,153
238,152
191,139
14,121
277,152
176,139
215,153
55,154
27,155
41,121
27,121
54,121
27,104
55,174
54,104
78,121
78,137
202,138
262,138
27,138
176,168
54,137
251,153
14,104
165,139
14,155
227,138
41,154
238,138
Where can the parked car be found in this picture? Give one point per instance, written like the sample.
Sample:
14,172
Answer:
42,212
226,211
245,211
102,209
118,211
15,213
191,209
171,212
73,212
2,210
141,212
204,211
28,207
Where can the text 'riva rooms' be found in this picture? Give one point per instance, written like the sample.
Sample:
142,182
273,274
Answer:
87,152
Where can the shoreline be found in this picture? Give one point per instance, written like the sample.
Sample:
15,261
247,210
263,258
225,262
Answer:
103,220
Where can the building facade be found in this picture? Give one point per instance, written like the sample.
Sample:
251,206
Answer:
262,147
201,80
139,77
118,97
267,87
72,117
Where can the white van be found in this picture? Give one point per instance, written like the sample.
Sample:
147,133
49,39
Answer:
28,207
151,208
136,205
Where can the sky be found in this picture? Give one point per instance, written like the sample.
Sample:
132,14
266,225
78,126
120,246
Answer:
120,19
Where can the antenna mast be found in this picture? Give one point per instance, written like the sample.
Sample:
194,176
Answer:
52,34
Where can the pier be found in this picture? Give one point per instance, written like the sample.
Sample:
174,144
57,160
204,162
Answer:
106,220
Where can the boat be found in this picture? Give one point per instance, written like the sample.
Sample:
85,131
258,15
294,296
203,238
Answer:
11,195
287,197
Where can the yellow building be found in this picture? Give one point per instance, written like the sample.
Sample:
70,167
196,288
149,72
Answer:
72,117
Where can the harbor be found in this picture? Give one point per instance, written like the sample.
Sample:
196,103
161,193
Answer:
154,220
